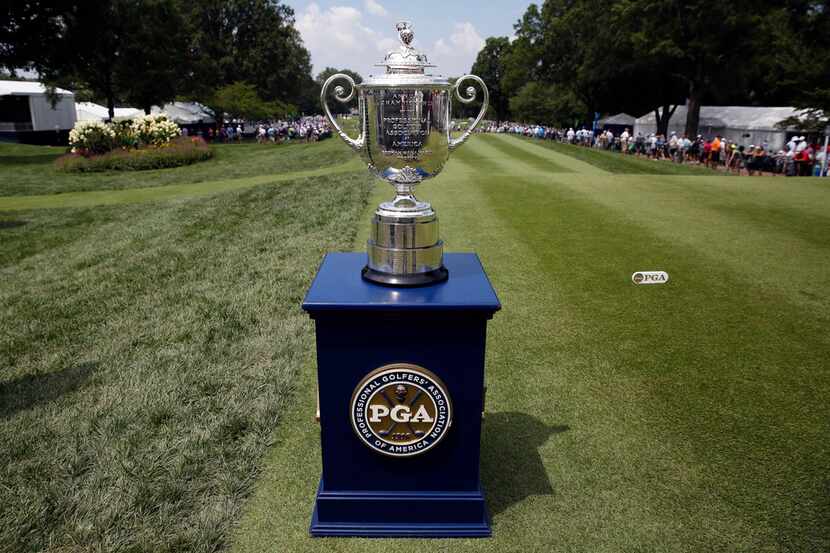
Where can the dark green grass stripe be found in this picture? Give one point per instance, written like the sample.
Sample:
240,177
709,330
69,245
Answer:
475,157
720,366
812,228
523,156
157,193
231,161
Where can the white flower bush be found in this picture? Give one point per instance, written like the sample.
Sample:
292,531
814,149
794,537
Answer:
94,137
91,137
155,130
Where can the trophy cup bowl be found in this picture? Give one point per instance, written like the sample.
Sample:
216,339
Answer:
405,120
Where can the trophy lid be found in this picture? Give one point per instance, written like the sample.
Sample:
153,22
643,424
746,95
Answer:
405,65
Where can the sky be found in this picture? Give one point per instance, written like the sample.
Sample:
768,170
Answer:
356,34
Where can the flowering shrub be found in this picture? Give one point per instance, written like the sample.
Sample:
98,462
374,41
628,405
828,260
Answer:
181,151
124,135
155,130
91,137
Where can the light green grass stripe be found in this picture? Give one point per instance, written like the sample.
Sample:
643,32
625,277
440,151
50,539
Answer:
483,156
158,193
566,161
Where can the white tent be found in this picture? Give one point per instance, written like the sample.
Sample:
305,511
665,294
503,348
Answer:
186,113
742,124
25,107
620,119
89,111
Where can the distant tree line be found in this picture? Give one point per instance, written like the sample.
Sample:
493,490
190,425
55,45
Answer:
572,58
244,57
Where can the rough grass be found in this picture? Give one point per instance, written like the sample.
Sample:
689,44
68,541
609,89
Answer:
149,350
33,174
616,163
691,416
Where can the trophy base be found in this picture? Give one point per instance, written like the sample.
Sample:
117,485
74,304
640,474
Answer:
405,281
404,249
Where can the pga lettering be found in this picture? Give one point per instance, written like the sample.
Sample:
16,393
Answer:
399,413
650,277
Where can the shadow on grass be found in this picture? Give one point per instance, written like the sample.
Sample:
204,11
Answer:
28,391
11,224
40,159
511,467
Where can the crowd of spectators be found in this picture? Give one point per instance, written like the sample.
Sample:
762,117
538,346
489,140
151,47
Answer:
308,128
799,157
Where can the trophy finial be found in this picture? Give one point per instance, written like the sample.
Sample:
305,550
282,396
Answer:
405,33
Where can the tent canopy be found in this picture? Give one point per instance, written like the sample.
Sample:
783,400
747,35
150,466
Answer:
186,113
731,117
618,119
27,88
87,111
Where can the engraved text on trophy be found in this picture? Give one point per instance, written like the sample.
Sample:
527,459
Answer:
405,120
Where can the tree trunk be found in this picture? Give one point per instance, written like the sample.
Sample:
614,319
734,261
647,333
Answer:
110,94
664,118
693,113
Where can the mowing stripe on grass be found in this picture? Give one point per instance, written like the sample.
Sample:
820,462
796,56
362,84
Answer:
756,234
158,193
536,158
568,162
486,157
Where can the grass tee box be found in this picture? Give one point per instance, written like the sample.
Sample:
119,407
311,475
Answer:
408,475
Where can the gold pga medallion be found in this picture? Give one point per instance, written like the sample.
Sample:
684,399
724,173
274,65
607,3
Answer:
401,410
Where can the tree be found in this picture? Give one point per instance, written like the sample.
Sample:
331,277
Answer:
546,104
116,49
153,61
148,52
708,45
490,66
247,40
241,101
25,32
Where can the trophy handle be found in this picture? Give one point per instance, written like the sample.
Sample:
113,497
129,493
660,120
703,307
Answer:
339,95
471,95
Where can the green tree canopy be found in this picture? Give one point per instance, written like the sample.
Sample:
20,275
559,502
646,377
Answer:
118,50
490,66
641,55
147,52
254,41
546,104
241,101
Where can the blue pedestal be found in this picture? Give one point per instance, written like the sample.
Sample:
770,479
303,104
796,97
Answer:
362,326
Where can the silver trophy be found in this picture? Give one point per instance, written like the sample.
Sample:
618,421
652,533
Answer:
405,138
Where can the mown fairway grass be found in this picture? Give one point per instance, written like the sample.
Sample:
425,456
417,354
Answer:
691,416
152,352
